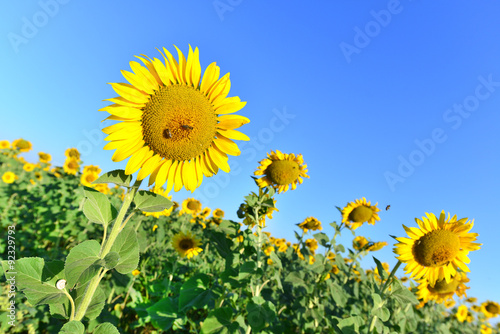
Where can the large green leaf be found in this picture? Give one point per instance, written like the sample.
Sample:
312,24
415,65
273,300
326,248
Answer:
260,315
117,177
220,321
72,327
148,201
63,310
195,293
106,328
97,207
127,247
37,279
163,313
82,263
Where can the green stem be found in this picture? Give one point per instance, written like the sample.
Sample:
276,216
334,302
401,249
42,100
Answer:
72,317
382,291
117,227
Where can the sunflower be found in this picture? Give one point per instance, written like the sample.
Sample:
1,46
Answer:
22,145
486,329
359,242
449,303
442,291
91,169
38,176
71,166
72,153
462,312
312,244
218,213
358,212
280,170
44,157
9,177
310,223
103,188
438,248
471,300
490,309
186,244
28,167
375,246
88,177
136,272
191,206
4,144
175,125
166,212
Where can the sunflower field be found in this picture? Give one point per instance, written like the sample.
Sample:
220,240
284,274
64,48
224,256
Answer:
87,251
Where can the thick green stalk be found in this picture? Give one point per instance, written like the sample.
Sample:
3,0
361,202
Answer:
117,227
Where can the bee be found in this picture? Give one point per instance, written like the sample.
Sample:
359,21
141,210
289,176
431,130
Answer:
387,207
187,127
167,134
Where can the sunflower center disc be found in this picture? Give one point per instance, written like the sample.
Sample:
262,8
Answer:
442,287
192,205
178,123
360,214
436,248
283,172
492,308
186,244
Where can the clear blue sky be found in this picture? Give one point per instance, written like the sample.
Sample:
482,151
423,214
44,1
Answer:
394,101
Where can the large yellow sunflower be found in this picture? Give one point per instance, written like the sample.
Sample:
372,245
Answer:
280,170
175,125
437,248
191,206
186,244
358,212
22,145
71,166
9,177
442,291
4,144
490,309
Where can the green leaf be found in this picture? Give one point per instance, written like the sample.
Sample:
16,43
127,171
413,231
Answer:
221,243
106,328
63,310
111,260
295,279
37,279
247,269
72,327
148,201
117,176
194,292
351,324
381,271
97,207
163,313
82,263
260,315
322,239
127,247
220,321
379,309
276,260
402,295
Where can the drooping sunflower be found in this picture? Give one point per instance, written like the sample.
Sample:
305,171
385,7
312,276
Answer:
22,145
175,125
280,170
4,144
358,212
72,153
437,248
9,177
490,309
376,246
191,206
310,223
91,169
359,242
44,157
442,291
218,213
186,244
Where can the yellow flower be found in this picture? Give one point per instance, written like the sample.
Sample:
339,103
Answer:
358,212
166,212
312,244
438,248
359,242
186,244
310,223
471,300
442,291
281,244
71,166
44,157
175,125
375,246
311,259
4,144
268,250
28,167
269,262
280,170
9,177
490,309
218,213
486,329
404,279
91,169
191,206
205,213
240,238
88,177
335,270
38,176
331,255
449,303
136,272
72,153
461,313
22,145
476,308
155,227
102,187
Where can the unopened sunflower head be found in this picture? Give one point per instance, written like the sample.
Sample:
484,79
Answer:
358,212
282,171
310,223
176,125
438,248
